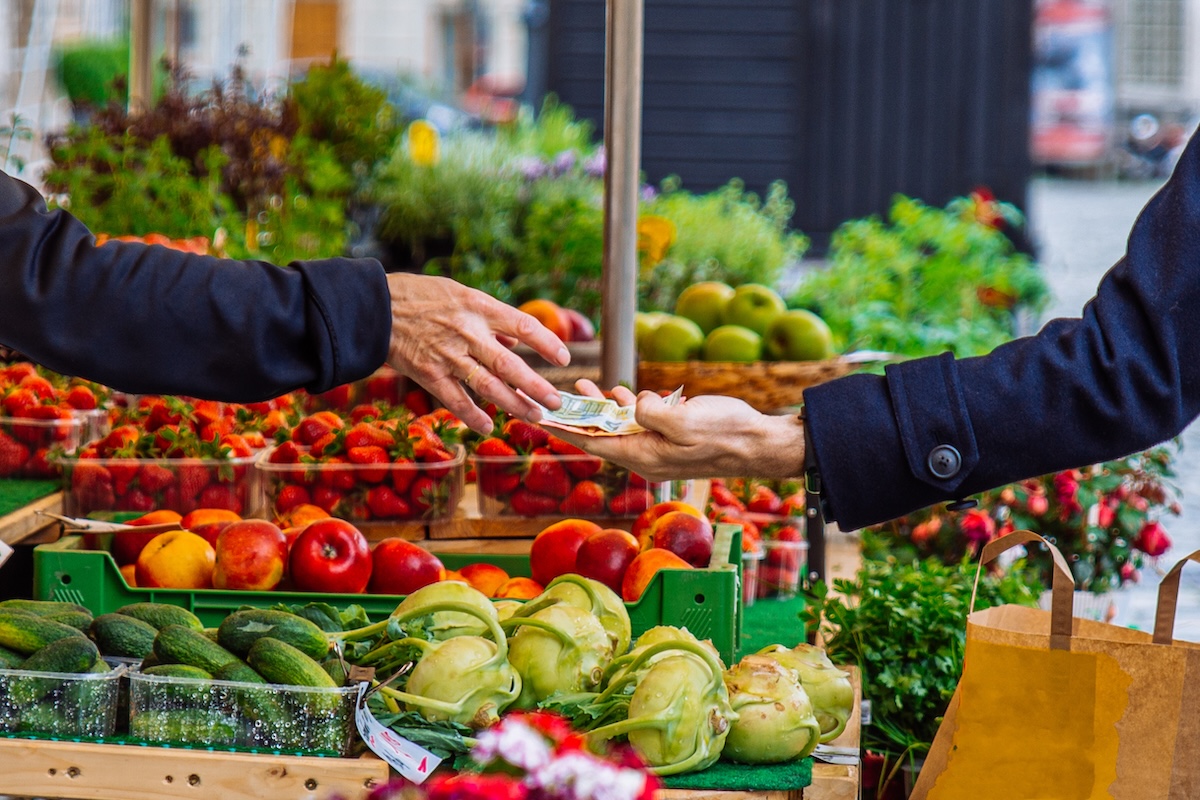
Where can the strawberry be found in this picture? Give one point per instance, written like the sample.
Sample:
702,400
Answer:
629,503
39,464
547,475
364,412
364,434
81,398
190,479
38,385
255,440
372,461
495,448
496,467
285,453
531,504
18,400
333,474
326,445
525,436
585,500
720,495
207,412
220,495
123,472
386,504
291,496
764,501
154,478
135,500
793,505
424,494
430,456
122,437
310,429
167,440
417,401
237,444
577,462
326,497
91,485
13,455
218,429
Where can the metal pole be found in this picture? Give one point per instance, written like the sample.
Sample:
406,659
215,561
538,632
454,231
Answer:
141,69
622,151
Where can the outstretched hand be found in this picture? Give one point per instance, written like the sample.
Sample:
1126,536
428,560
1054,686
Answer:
701,437
450,338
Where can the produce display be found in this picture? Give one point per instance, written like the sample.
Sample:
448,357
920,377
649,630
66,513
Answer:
42,417
716,322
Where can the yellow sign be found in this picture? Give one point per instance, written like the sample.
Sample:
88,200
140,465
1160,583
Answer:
423,143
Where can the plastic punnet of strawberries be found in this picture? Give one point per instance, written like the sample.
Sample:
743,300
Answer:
377,463
42,417
1106,519
534,755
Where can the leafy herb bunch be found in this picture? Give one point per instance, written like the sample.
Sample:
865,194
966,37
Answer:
1105,519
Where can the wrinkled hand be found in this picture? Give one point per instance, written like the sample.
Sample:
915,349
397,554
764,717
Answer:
702,437
447,336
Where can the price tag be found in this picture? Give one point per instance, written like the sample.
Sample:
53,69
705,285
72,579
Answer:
5,553
411,760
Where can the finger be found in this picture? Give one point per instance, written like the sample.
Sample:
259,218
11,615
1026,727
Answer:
452,394
654,414
624,396
508,321
507,370
588,388
506,341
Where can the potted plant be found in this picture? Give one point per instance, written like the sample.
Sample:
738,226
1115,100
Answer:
903,624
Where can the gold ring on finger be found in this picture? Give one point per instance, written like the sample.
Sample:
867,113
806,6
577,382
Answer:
471,374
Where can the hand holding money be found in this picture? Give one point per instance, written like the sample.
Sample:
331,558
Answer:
597,416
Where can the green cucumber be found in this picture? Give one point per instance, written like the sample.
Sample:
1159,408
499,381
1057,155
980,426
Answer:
10,659
75,655
280,662
260,705
119,635
176,644
43,607
190,687
160,615
27,633
81,620
241,629
186,726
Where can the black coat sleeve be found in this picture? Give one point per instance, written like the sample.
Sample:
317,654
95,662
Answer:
1121,378
147,319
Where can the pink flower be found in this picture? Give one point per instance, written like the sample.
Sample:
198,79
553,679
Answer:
470,786
1129,573
513,742
1152,540
581,776
978,526
1038,504
1066,487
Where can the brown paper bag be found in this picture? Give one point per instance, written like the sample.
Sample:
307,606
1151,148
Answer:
1050,706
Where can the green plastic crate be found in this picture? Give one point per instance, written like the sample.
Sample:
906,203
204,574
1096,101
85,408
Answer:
705,601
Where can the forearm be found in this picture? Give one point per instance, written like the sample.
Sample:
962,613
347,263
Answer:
148,319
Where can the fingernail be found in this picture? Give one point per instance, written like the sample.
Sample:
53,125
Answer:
551,401
487,428
534,416
564,356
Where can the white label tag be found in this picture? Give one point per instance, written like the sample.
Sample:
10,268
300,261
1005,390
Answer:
411,760
5,553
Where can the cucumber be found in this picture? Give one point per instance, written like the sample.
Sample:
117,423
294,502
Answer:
160,615
75,654
192,687
259,705
27,633
280,662
187,726
43,607
178,671
76,619
10,659
241,629
119,635
176,644
335,669
240,672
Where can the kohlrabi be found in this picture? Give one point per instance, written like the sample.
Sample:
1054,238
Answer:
590,595
775,721
828,688
558,649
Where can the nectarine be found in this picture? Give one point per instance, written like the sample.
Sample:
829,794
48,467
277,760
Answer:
605,555
645,521
487,578
687,536
252,554
176,560
519,589
551,315
553,550
643,569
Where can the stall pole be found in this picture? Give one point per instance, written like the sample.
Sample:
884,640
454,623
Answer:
141,70
622,153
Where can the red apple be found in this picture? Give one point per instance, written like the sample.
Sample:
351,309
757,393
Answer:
686,535
401,567
553,550
251,554
645,521
582,329
127,545
331,555
605,555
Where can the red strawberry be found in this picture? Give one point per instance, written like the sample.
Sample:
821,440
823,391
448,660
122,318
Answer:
91,486
793,505
630,502
120,438
764,501
123,472
310,429
150,477
386,504
525,436
18,401
586,500
404,472
291,496
496,467
135,500
237,444
191,479
433,456
720,495
424,494
220,495
285,453
326,497
578,463
13,455
81,398
547,475
495,448
364,434
38,385
327,445
372,461
335,475
530,504
417,401
39,465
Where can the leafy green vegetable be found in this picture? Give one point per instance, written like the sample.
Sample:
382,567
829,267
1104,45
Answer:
443,738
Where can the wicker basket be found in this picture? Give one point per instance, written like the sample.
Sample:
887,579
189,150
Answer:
766,385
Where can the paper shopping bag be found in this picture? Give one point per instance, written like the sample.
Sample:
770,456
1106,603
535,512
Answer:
1050,706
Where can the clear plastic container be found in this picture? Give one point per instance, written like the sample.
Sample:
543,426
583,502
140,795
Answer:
750,561
60,703
553,485
150,484
31,446
780,570
187,711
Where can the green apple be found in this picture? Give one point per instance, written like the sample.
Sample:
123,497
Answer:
799,335
754,306
704,303
674,339
644,323
733,343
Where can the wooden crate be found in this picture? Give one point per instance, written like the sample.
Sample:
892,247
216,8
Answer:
766,385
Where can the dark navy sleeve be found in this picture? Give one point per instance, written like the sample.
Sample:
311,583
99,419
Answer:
146,319
1123,377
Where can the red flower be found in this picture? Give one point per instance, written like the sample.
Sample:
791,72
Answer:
554,727
1152,539
924,531
1066,489
1105,516
469,786
978,526
1129,573
1038,504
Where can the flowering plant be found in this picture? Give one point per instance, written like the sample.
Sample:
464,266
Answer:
1105,519
534,756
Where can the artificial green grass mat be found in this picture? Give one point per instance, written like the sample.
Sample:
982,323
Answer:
17,493
771,621
729,777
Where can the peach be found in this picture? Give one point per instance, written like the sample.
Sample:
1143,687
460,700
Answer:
126,545
605,555
553,550
687,536
176,560
401,567
519,589
128,573
645,521
643,569
453,575
486,578
251,554
551,315
301,515
208,522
